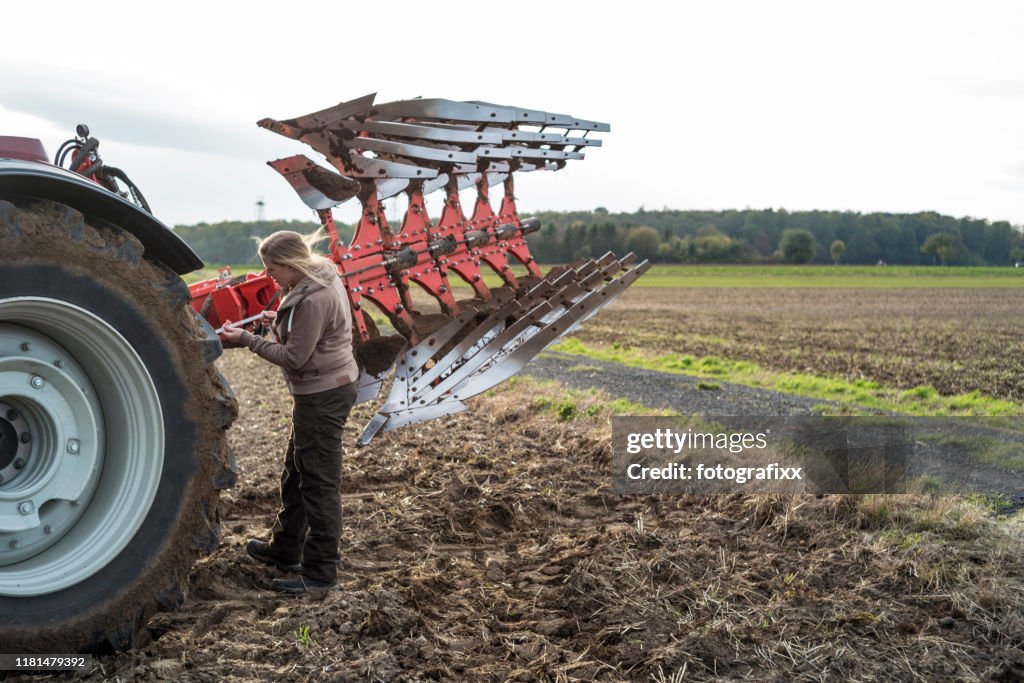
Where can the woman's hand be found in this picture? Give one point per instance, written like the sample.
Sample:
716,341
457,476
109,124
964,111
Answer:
269,316
232,333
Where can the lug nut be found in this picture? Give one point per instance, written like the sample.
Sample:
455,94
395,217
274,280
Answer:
19,464
12,415
48,529
26,507
26,437
59,363
74,446
25,346
13,544
37,382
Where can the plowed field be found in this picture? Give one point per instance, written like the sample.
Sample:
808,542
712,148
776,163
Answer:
956,340
487,547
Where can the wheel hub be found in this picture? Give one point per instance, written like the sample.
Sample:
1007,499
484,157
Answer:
14,443
43,410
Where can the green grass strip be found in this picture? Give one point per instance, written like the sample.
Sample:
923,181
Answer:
923,401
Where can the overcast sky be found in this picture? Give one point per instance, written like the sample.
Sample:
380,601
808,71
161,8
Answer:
865,106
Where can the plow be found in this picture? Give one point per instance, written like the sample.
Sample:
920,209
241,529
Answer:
113,415
414,148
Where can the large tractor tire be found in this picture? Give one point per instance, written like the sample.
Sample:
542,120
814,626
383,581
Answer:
112,434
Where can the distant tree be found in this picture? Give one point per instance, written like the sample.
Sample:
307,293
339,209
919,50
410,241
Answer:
573,241
717,248
762,243
665,254
836,250
942,244
797,246
583,251
644,241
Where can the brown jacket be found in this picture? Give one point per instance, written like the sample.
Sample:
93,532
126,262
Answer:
314,326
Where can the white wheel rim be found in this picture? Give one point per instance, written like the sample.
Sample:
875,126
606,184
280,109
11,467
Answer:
78,487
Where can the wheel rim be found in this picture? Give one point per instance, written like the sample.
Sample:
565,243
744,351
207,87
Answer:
81,444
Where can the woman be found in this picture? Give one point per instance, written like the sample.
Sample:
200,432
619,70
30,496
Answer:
312,343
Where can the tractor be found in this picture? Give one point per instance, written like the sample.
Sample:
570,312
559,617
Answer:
113,414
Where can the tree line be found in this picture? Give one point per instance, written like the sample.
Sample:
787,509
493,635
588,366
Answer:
771,236
232,243
733,236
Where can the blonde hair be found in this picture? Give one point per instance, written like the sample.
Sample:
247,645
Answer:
288,248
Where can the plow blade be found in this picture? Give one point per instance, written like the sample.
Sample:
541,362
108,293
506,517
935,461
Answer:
435,378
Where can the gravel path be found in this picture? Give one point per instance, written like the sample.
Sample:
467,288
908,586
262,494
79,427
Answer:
653,389
682,393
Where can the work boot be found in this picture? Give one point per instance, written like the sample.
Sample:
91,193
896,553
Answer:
302,585
261,552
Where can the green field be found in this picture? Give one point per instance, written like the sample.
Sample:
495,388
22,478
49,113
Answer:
669,276
898,277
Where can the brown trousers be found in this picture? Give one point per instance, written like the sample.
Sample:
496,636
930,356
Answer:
308,526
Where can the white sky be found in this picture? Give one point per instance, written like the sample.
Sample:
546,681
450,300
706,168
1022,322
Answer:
864,106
